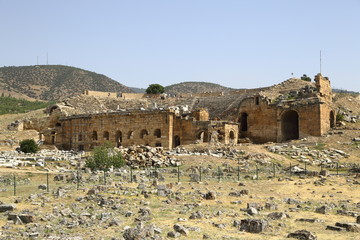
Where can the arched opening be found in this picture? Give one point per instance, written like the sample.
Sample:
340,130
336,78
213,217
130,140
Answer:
244,122
202,136
332,119
94,136
53,137
158,144
290,125
157,133
257,100
106,136
232,136
81,148
80,137
130,134
176,141
52,109
143,133
118,138
58,125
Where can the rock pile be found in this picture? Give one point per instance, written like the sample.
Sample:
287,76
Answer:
225,152
143,156
302,153
15,158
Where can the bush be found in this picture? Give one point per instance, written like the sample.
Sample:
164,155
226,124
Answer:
28,146
340,117
103,157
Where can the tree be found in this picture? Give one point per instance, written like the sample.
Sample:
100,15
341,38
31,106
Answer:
29,146
305,78
155,89
103,157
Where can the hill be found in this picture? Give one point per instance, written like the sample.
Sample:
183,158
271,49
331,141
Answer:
195,87
53,82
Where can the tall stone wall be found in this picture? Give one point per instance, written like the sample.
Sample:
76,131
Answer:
266,122
85,132
100,94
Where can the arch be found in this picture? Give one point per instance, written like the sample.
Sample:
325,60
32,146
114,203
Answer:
231,135
53,137
290,125
143,133
332,119
118,138
80,137
157,133
94,136
177,141
106,135
53,108
130,134
243,122
203,136
58,124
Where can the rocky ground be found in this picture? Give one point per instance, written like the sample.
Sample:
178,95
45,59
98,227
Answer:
303,189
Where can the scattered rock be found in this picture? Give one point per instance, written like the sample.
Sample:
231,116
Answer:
302,235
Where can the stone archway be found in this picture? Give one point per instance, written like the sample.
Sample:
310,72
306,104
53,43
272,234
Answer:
332,119
290,125
177,141
118,138
202,136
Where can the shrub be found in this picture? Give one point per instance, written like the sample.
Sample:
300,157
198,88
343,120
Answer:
28,146
103,157
340,117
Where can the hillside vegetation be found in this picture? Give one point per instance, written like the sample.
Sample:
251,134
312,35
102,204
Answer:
10,105
54,82
195,87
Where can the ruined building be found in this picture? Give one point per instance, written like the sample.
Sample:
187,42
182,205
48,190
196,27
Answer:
291,110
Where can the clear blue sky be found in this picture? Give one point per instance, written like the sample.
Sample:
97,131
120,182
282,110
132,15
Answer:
235,43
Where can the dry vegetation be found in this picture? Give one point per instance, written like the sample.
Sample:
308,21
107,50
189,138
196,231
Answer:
54,214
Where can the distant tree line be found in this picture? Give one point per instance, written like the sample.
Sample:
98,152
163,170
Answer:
9,105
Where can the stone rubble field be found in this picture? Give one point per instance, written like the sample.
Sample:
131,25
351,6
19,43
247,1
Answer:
148,202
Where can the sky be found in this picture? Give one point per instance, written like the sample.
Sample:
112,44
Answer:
235,43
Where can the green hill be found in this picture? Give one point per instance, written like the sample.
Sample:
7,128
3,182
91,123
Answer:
195,87
53,82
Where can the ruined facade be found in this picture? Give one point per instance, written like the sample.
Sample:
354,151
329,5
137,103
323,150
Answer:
154,128
295,114
293,109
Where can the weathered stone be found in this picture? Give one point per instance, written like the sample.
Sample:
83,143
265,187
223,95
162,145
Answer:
181,229
302,235
210,195
324,173
42,187
173,234
24,217
278,215
252,211
6,207
350,227
253,225
323,209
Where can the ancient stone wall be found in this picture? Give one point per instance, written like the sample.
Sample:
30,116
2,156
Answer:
121,129
263,122
100,94
127,96
153,128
